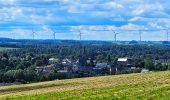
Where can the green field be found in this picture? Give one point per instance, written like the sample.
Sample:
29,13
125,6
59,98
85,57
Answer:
4,48
152,86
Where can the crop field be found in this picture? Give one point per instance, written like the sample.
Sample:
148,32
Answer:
150,86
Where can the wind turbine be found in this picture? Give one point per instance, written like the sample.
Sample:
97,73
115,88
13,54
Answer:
82,49
115,35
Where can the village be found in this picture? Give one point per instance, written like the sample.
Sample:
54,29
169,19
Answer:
89,67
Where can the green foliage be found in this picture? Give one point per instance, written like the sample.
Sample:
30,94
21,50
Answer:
19,66
39,63
13,75
28,57
149,64
29,75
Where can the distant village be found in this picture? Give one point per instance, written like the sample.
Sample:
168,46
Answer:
45,62
89,67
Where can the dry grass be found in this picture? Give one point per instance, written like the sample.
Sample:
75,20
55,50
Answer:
118,86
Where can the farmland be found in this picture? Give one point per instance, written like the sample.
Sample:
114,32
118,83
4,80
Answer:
154,85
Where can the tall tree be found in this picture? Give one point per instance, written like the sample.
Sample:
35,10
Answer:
149,63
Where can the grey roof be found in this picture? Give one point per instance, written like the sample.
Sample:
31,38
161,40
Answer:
101,65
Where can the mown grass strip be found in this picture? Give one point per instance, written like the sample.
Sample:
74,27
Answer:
111,92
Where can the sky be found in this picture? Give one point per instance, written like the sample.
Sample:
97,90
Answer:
96,19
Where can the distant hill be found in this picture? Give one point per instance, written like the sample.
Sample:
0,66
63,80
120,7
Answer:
5,39
133,42
152,86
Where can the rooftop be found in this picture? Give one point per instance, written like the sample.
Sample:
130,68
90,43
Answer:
123,59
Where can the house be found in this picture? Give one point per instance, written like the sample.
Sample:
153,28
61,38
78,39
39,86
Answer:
124,62
53,60
101,66
162,61
90,60
66,62
85,69
45,69
75,67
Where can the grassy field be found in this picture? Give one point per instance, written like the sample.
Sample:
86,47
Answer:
4,48
149,86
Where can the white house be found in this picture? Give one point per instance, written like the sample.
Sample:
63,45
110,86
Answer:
124,62
53,60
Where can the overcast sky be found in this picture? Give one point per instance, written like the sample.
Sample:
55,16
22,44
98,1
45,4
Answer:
66,17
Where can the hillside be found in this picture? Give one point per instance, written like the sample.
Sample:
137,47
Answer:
133,86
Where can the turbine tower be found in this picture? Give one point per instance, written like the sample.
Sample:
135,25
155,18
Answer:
140,37
80,35
33,34
116,36
54,34
167,36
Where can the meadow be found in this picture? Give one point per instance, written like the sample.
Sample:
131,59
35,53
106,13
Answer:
150,86
6,48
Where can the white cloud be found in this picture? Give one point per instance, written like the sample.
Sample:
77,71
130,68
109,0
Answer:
113,5
8,1
131,26
86,14
147,9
